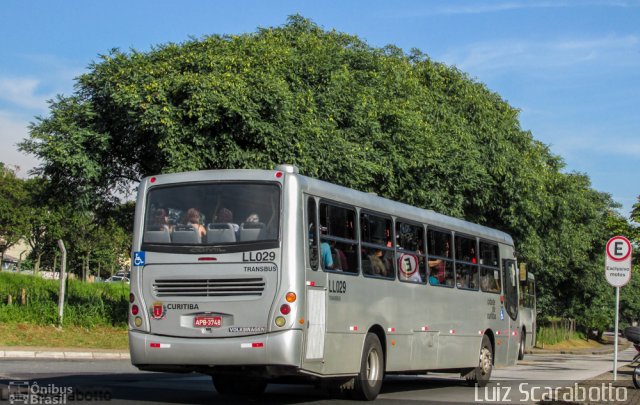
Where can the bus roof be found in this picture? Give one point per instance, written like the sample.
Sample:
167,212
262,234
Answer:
374,202
345,195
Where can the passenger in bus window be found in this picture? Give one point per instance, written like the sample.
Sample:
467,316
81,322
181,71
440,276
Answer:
437,270
433,280
342,264
193,219
254,218
377,263
161,220
325,251
224,215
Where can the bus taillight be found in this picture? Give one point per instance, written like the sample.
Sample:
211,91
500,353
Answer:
134,310
291,297
285,309
132,298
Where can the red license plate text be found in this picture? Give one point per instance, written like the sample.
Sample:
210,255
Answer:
207,321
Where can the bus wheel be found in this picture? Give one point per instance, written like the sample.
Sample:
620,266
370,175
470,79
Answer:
523,336
482,373
369,381
237,385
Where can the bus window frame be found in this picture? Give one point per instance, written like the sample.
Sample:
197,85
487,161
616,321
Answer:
465,263
425,280
198,249
308,198
482,266
509,265
445,259
369,245
339,239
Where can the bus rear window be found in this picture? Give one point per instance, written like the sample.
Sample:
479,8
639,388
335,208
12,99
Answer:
212,214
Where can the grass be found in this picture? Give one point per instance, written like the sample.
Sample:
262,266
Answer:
97,337
33,300
575,343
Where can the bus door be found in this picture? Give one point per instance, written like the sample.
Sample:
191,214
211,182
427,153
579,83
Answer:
316,294
510,290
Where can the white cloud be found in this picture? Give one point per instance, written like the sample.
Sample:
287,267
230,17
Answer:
451,8
13,130
23,92
527,55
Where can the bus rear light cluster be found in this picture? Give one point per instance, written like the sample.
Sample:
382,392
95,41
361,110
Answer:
285,309
135,310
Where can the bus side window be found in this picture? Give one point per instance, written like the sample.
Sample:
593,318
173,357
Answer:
338,245
312,232
466,263
439,258
410,252
378,256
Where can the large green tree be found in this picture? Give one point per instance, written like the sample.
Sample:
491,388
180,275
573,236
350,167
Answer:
13,212
375,119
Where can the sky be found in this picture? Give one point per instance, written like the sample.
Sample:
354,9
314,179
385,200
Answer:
572,68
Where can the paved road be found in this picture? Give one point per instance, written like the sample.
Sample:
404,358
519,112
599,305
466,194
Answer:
119,382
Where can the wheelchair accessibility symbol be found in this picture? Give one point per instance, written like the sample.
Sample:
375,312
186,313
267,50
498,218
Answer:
138,258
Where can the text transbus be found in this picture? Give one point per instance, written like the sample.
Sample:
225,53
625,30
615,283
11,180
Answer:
252,275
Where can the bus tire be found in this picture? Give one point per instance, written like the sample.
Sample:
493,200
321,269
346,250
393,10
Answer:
523,340
481,375
238,386
369,381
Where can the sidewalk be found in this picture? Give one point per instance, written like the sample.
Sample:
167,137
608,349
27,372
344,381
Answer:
59,353
623,344
620,392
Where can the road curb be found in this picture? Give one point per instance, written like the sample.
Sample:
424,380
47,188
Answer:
61,355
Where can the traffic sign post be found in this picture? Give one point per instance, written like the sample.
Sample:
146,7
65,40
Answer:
617,271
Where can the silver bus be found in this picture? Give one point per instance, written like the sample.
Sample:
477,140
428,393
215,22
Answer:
527,311
252,276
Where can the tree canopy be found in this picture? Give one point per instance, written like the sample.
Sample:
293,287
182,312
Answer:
374,119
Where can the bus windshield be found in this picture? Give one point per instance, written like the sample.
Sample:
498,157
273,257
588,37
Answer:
199,214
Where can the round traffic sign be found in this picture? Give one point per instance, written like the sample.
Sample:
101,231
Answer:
618,248
617,263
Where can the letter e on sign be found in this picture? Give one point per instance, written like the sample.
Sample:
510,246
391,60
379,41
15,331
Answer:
617,265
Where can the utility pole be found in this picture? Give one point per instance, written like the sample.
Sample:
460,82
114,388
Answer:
63,267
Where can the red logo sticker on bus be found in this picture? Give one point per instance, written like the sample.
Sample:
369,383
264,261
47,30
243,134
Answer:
159,310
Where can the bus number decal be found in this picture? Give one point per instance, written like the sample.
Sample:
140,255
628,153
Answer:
337,286
258,256
492,307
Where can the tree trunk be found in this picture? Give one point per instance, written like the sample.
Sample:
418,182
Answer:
36,266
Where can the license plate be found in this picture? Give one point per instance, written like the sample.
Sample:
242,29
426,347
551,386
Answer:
207,321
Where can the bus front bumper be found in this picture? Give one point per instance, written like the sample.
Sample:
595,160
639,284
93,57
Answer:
278,348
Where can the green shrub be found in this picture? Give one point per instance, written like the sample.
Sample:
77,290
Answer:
86,304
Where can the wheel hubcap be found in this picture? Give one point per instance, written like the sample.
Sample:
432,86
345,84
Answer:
373,367
485,361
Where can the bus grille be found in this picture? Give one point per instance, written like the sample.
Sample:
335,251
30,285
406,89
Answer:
222,287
